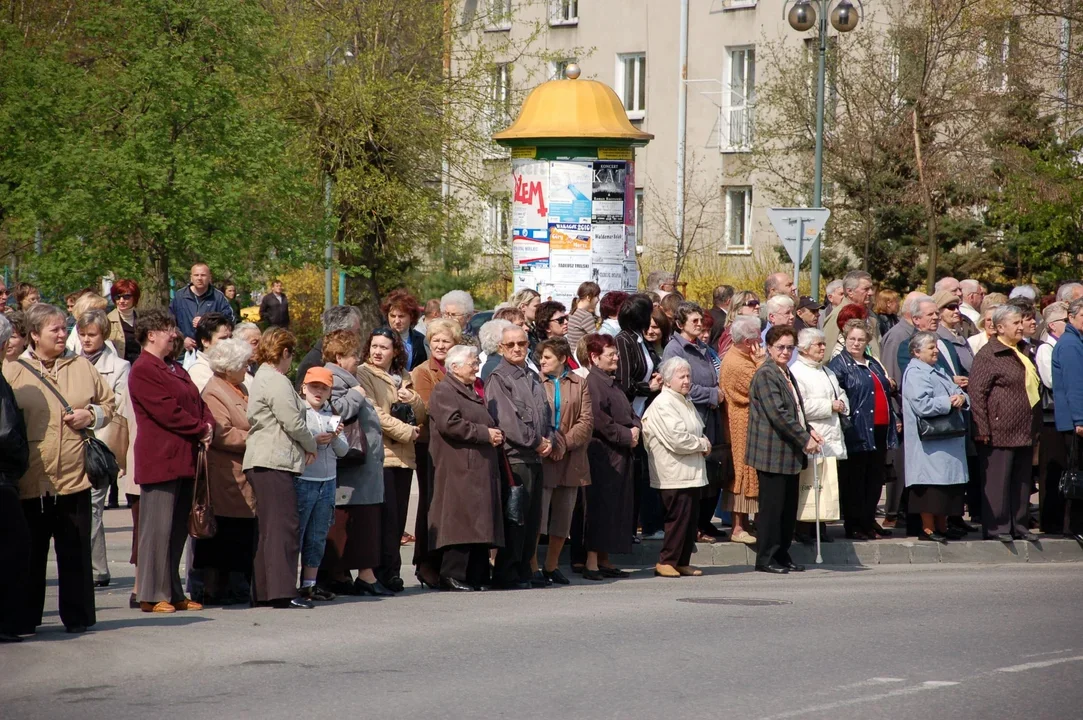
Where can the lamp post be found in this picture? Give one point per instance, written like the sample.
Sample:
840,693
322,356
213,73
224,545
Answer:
801,17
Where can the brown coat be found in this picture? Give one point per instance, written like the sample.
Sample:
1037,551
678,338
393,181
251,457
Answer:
567,465
425,377
398,436
738,369
56,451
466,504
231,495
998,398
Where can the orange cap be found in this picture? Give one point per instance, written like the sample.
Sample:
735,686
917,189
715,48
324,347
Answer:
319,375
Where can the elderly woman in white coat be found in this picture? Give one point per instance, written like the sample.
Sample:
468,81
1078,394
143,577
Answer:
825,403
676,455
92,329
936,470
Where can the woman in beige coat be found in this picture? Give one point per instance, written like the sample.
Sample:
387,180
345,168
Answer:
55,489
226,558
567,468
676,452
388,386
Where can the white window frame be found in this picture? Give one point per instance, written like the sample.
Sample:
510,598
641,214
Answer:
638,111
563,13
730,193
497,15
497,237
557,68
499,110
738,4
993,65
640,211
739,103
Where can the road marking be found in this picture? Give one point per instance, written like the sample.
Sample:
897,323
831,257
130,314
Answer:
1039,664
1046,654
938,683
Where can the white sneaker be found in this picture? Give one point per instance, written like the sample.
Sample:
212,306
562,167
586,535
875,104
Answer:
659,535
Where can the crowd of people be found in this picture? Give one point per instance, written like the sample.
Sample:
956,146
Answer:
595,424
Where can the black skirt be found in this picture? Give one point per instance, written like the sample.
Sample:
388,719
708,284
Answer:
230,550
937,499
607,513
353,543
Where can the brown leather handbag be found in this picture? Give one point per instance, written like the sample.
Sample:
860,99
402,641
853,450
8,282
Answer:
201,522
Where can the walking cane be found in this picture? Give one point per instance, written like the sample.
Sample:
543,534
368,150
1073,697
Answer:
816,491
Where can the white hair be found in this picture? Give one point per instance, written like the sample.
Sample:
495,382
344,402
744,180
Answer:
778,303
942,285
245,328
809,337
1026,291
458,298
833,286
1054,309
853,279
1006,311
670,367
6,329
920,341
745,327
970,285
460,355
1066,291
491,334
340,317
913,304
229,355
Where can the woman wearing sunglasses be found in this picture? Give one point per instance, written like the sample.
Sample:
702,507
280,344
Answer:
743,303
125,296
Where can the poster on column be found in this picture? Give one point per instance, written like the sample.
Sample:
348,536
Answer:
529,248
630,209
608,192
607,243
609,276
529,278
570,186
570,237
631,273
529,207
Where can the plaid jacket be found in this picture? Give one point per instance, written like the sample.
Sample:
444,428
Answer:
776,435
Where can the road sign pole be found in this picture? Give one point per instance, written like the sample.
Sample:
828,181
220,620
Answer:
800,253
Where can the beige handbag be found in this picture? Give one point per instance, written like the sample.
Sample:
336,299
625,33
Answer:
828,474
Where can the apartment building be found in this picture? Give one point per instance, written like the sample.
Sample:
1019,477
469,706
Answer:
633,46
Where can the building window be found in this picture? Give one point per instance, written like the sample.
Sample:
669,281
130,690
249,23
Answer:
497,14
631,85
738,218
497,226
994,54
639,221
740,94
563,12
499,97
738,4
558,69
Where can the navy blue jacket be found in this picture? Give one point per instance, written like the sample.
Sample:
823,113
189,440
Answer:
1068,380
187,305
856,380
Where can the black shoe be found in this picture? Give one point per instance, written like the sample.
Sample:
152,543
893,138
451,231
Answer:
6,637
933,537
375,589
612,572
792,566
300,603
394,584
636,540
454,585
315,592
1078,537
341,587
1005,538
425,584
556,576
804,539
101,583
774,569
881,531
516,585
539,580
1029,537
593,574
132,602
954,533
75,629
963,525
825,538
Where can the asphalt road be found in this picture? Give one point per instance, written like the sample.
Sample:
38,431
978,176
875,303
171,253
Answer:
887,642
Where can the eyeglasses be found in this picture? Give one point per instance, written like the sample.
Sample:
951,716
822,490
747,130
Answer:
752,303
562,319
125,296
1063,319
953,306
517,344
783,348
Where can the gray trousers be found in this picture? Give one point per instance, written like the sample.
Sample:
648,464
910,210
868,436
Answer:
163,531
98,560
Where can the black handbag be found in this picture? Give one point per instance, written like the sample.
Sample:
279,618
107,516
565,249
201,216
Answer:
943,427
1071,480
359,446
99,461
516,501
404,412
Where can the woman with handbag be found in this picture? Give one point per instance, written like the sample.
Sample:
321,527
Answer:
466,518
745,353
935,432
826,406
279,447
870,435
226,559
442,334
1004,392
354,541
173,420
56,489
706,394
400,409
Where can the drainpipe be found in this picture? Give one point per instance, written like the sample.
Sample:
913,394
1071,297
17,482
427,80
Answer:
682,124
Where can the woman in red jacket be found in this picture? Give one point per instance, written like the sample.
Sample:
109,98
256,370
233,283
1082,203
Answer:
172,421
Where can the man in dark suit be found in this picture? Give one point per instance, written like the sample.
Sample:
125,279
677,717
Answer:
274,308
779,439
721,298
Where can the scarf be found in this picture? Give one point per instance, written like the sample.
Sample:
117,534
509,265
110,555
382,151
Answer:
1032,374
556,398
93,358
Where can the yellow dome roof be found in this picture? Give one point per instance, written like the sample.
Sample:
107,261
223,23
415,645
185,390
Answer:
573,109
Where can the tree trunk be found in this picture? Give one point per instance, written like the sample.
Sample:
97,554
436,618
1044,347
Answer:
927,199
158,273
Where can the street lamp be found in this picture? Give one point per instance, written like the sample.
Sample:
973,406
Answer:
801,16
